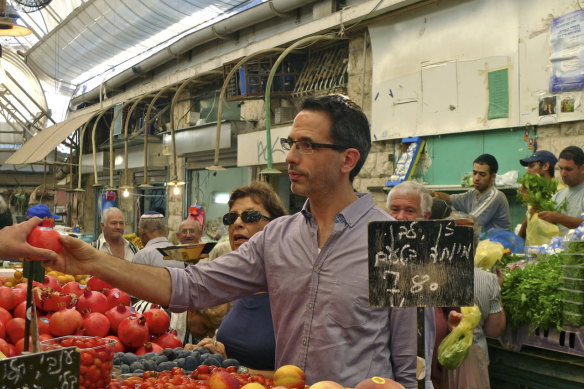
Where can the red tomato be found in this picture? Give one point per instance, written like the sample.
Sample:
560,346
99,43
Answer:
45,238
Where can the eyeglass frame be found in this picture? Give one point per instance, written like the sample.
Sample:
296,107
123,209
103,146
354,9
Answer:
288,143
243,216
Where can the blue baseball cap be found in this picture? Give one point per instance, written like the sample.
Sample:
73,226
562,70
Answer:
40,210
540,156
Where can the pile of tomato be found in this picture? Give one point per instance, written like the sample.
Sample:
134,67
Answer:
96,356
177,379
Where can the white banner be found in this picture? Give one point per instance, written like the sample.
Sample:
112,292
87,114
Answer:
252,148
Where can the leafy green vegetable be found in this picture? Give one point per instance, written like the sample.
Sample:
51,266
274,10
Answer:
538,192
532,295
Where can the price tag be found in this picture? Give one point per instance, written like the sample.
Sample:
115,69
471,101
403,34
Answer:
422,263
55,369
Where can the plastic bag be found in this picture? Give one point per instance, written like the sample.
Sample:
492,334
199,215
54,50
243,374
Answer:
454,348
487,253
507,179
508,239
540,232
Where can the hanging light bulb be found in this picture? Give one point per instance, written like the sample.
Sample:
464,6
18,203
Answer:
126,193
176,190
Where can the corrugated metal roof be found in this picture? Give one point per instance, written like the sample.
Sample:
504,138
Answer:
99,35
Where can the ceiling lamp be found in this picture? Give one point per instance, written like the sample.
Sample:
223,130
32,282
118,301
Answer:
8,26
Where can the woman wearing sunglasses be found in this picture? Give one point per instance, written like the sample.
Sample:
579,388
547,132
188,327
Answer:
247,333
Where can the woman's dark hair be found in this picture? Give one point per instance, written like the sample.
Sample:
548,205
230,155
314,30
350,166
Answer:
350,126
261,193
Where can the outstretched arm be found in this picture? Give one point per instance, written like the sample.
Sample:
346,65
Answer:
146,282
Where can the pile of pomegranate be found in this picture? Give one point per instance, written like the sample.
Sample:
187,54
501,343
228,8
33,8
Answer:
95,309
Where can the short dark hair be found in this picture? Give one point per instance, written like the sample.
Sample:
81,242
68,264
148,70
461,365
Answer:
488,159
350,126
261,193
573,153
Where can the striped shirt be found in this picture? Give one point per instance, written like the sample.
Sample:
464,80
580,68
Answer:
102,245
490,208
487,293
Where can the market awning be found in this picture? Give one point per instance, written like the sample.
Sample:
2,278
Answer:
40,145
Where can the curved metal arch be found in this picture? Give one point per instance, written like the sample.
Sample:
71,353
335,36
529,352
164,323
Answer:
231,73
303,41
93,148
147,121
111,140
126,124
172,121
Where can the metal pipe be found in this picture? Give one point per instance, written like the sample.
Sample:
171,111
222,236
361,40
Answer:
231,73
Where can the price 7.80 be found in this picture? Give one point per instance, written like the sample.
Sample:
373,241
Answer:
418,282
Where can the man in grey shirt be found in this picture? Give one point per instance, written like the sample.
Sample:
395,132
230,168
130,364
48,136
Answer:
314,263
485,202
153,232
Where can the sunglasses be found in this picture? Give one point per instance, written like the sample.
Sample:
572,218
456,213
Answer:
249,216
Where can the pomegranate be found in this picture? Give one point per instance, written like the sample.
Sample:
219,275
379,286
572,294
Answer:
15,329
157,319
133,331
8,300
43,325
119,346
20,310
4,348
168,340
116,297
149,347
4,315
92,301
22,285
96,324
65,322
73,287
117,314
50,300
49,281
2,330
95,283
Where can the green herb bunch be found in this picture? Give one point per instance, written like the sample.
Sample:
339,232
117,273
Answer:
538,192
532,295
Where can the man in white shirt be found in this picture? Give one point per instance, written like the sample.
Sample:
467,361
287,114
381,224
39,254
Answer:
111,240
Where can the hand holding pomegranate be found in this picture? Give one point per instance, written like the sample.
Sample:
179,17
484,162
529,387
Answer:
13,242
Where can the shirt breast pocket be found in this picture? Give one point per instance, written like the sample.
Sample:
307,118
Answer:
349,305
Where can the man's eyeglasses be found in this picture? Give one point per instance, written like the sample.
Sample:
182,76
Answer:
249,216
307,147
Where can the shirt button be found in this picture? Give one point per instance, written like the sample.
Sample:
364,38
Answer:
304,342
309,306
316,269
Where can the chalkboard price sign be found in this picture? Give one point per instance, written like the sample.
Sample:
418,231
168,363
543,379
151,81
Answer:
55,369
422,263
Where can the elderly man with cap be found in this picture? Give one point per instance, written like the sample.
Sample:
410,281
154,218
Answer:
541,162
153,231
111,240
